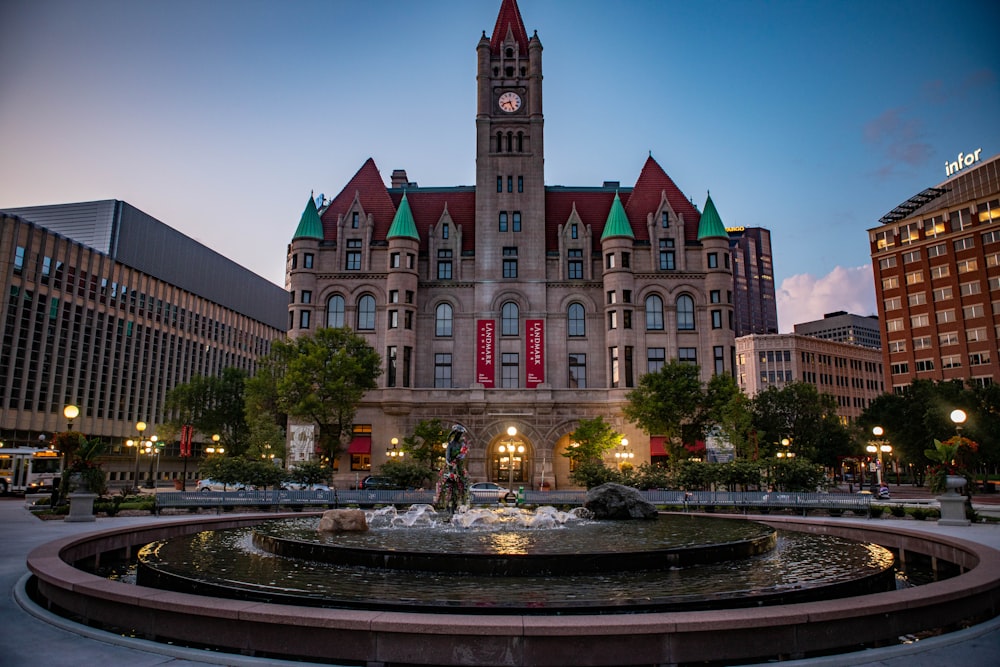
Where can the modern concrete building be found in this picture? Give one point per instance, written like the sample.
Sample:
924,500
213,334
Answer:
511,303
936,260
754,304
852,374
107,308
844,328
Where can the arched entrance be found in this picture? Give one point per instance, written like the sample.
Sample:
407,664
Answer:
511,460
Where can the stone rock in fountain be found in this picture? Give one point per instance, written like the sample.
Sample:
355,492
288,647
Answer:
615,501
342,521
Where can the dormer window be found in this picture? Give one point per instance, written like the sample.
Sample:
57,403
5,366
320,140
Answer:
509,52
666,220
444,231
354,220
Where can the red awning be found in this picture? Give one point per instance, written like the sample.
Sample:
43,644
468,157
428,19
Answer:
361,444
656,447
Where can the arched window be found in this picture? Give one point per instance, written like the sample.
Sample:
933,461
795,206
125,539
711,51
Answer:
442,320
520,142
509,325
366,313
577,320
335,311
499,146
510,142
654,313
685,313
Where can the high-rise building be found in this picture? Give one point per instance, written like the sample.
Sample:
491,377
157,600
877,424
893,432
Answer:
107,309
936,259
754,305
844,327
511,303
852,374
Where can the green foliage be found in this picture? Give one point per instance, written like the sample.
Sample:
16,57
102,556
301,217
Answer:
231,471
696,475
407,474
309,472
320,379
424,444
592,439
740,475
671,402
797,475
592,473
730,411
806,417
263,475
212,404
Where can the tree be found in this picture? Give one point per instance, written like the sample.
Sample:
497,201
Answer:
424,444
730,411
591,440
212,404
320,379
807,418
671,402
309,472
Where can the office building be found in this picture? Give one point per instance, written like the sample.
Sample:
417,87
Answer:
936,259
852,374
754,305
107,308
844,328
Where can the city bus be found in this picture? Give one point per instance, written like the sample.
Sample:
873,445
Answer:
29,470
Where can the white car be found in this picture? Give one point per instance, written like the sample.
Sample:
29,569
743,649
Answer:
296,486
488,492
206,485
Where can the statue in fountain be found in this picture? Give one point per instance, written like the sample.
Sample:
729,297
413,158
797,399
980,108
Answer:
453,479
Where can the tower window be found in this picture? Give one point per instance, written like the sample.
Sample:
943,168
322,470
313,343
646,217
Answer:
510,184
499,178
520,142
517,221
520,183
510,262
499,150
503,221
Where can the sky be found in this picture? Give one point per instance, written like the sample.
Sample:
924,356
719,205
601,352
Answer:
811,118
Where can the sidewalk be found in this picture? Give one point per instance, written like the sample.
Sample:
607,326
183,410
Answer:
57,643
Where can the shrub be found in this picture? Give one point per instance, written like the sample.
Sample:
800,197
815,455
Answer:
919,513
898,511
876,511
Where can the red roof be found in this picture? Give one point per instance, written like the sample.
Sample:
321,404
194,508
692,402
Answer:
509,18
428,204
645,198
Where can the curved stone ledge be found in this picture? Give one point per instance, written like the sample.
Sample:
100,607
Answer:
376,637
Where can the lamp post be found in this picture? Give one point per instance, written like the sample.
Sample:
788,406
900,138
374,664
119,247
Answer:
393,452
152,451
70,412
510,448
958,418
214,447
140,427
623,455
879,447
787,452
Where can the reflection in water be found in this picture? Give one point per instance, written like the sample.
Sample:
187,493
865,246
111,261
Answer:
508,544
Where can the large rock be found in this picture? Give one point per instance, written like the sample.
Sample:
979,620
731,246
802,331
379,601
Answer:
342,521
615,501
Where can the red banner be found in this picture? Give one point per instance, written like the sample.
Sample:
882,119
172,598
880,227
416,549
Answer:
534,352
186,433
486,353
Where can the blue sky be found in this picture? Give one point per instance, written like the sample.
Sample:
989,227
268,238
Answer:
810,118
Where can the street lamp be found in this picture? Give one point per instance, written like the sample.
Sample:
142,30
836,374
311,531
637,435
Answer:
879,448
140,427
787,452
958,417
623,455
393,452
214,447
70,412
152,451
510,449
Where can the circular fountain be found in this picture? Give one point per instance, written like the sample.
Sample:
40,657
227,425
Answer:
532,562
435,629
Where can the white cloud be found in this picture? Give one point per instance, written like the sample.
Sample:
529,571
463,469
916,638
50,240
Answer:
804,297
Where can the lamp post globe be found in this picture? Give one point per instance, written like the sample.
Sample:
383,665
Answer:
70,412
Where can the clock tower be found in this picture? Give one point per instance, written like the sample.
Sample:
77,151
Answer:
510,182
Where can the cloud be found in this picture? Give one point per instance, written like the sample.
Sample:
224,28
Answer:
898,139
804,297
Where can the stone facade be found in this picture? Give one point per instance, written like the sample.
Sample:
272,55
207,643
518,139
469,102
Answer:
511,303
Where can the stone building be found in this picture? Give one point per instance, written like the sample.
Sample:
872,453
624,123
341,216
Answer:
511,303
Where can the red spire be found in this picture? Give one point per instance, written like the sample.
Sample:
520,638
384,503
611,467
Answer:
509,19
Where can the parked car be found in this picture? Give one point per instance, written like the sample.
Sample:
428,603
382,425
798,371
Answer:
296,486
373,483
489,492
207,485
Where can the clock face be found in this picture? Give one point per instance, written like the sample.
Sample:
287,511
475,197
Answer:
510,102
